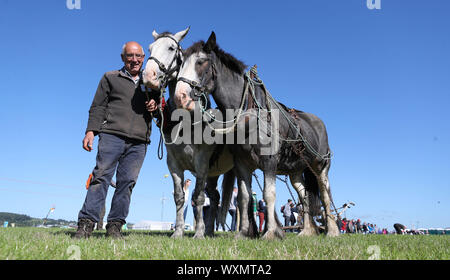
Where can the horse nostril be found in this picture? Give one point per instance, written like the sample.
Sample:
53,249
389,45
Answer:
149,74
152,74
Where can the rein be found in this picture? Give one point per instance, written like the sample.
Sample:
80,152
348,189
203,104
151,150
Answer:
167,72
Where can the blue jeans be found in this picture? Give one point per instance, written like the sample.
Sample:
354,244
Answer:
125,155
233,219
185,211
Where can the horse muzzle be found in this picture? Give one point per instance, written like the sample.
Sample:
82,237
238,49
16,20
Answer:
183,98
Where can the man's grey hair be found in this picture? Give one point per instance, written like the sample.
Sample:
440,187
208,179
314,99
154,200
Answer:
125,45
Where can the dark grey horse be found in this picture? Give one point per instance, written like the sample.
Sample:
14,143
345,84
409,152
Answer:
161,69
298,141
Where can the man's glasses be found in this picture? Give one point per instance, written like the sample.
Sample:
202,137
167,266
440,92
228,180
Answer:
137,55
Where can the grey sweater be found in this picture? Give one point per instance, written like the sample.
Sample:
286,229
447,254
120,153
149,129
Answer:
119,108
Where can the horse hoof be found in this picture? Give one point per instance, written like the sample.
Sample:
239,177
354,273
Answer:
333,233
308,232
177,234
240,235
272,235
199,236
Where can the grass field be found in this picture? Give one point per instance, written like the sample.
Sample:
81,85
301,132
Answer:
46,244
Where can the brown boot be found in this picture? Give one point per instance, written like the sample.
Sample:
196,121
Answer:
113,229
85,228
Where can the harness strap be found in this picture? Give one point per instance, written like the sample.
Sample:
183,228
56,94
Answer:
241,107
196,87
169,70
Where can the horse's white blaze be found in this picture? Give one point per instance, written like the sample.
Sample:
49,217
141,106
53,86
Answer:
182,97
183,90
164,50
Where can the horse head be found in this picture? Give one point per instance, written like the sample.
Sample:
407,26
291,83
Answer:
165,59
207,69
196,77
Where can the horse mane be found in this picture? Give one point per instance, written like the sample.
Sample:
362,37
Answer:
165,33
287,109
227,59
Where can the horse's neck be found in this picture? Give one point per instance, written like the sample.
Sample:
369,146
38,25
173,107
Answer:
260,96
229,90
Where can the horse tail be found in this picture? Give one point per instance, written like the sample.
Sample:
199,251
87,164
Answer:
312,187
227,189
253,227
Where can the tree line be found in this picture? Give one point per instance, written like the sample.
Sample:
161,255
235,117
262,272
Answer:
21,220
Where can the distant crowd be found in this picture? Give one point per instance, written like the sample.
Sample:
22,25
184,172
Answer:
292,214
292,218
355,226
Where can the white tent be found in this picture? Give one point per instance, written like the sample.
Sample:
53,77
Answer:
152,225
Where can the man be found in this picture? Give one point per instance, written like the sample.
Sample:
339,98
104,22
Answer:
261,213
287,213
120,115
255,206
232,208
187,183
358,226
344,225
399,228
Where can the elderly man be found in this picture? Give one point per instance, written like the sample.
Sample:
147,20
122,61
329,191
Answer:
287,212
120,115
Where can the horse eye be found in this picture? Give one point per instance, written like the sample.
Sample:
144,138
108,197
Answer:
171,48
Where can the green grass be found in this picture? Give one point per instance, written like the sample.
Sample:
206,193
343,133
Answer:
44,244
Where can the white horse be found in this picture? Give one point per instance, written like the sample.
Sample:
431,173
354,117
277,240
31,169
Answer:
160,71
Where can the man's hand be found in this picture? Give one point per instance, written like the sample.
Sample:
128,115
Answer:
151,105
88,141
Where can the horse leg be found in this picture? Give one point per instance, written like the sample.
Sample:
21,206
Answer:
244,202
309,226
227,189
199,199
273,230
201,164
211,187
178,196
325,194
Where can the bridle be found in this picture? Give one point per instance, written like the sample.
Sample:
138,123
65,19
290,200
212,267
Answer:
167,72
199,89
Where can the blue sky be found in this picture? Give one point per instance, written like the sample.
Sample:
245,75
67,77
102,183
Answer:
379,79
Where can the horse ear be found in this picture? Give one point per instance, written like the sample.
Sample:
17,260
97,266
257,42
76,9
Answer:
211,43
155,34
180,35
